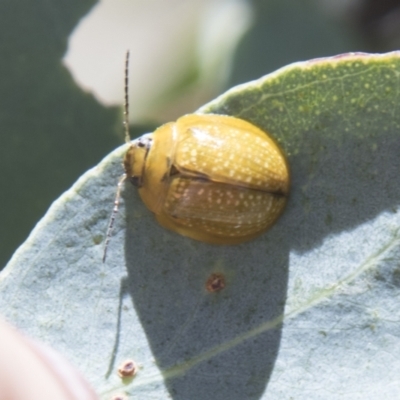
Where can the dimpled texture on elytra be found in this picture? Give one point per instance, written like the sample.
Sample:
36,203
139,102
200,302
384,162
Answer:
221,209
233,156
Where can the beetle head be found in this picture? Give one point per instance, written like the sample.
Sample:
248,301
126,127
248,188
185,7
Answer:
135,159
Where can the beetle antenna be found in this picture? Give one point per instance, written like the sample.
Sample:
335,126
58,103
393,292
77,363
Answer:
126,102
113,215
127,140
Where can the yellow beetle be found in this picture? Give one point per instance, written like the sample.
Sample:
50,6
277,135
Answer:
214,178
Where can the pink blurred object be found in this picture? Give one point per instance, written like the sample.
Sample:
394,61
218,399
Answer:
32,371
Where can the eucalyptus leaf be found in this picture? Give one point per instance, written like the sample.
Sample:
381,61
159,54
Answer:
310,308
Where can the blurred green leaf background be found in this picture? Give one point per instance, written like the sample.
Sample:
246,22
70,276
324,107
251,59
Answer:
51,131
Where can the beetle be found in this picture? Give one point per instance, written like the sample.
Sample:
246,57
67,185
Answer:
214,178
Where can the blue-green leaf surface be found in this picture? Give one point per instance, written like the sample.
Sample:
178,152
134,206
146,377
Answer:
310,309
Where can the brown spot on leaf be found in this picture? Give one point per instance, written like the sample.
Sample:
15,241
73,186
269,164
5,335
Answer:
215,282
127,369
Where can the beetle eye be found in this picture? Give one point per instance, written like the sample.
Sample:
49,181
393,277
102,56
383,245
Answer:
144,141
136,181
